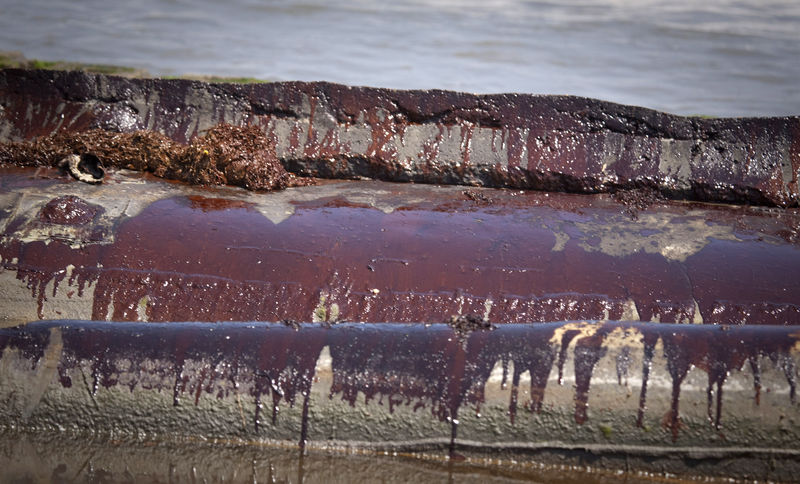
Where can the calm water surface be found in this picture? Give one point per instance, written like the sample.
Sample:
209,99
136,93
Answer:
715,57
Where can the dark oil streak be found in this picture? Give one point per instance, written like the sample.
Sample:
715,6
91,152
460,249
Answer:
512,404
649,340
755,367
790,370
566,339
168,257
304,423
412,365
588,351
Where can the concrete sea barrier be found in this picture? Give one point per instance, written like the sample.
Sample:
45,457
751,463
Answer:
557,143
568,283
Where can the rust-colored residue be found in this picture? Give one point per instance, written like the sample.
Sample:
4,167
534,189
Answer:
552,143
68,210
527,257
225,155
208,204
395,364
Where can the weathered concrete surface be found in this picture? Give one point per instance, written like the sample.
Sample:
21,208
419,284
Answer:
140,249
659,396
511,140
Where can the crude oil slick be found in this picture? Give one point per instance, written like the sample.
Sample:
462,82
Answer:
139,249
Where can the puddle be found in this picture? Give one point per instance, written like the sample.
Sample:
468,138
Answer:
61,458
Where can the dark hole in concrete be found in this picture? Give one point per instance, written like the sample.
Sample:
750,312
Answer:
91,165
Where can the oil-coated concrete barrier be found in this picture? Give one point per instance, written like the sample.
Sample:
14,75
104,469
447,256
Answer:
569,284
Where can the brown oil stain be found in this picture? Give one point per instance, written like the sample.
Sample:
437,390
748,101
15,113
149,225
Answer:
212,258
393,364
551,143
68,210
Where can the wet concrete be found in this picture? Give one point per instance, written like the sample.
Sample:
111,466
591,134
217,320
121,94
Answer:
554,143
454,292
654,393
375,252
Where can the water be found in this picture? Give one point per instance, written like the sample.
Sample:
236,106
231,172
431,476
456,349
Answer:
715,57
92,459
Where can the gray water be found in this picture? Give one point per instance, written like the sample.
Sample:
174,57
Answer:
710,57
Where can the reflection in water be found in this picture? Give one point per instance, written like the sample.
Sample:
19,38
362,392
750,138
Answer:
61,458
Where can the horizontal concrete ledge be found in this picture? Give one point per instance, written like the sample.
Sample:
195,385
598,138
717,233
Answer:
556,143
574,390
138,248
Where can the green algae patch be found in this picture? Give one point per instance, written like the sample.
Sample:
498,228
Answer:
15,60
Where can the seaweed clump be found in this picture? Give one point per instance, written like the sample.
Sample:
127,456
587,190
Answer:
224,155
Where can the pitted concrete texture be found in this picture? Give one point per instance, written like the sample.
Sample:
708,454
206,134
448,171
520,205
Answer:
557,143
